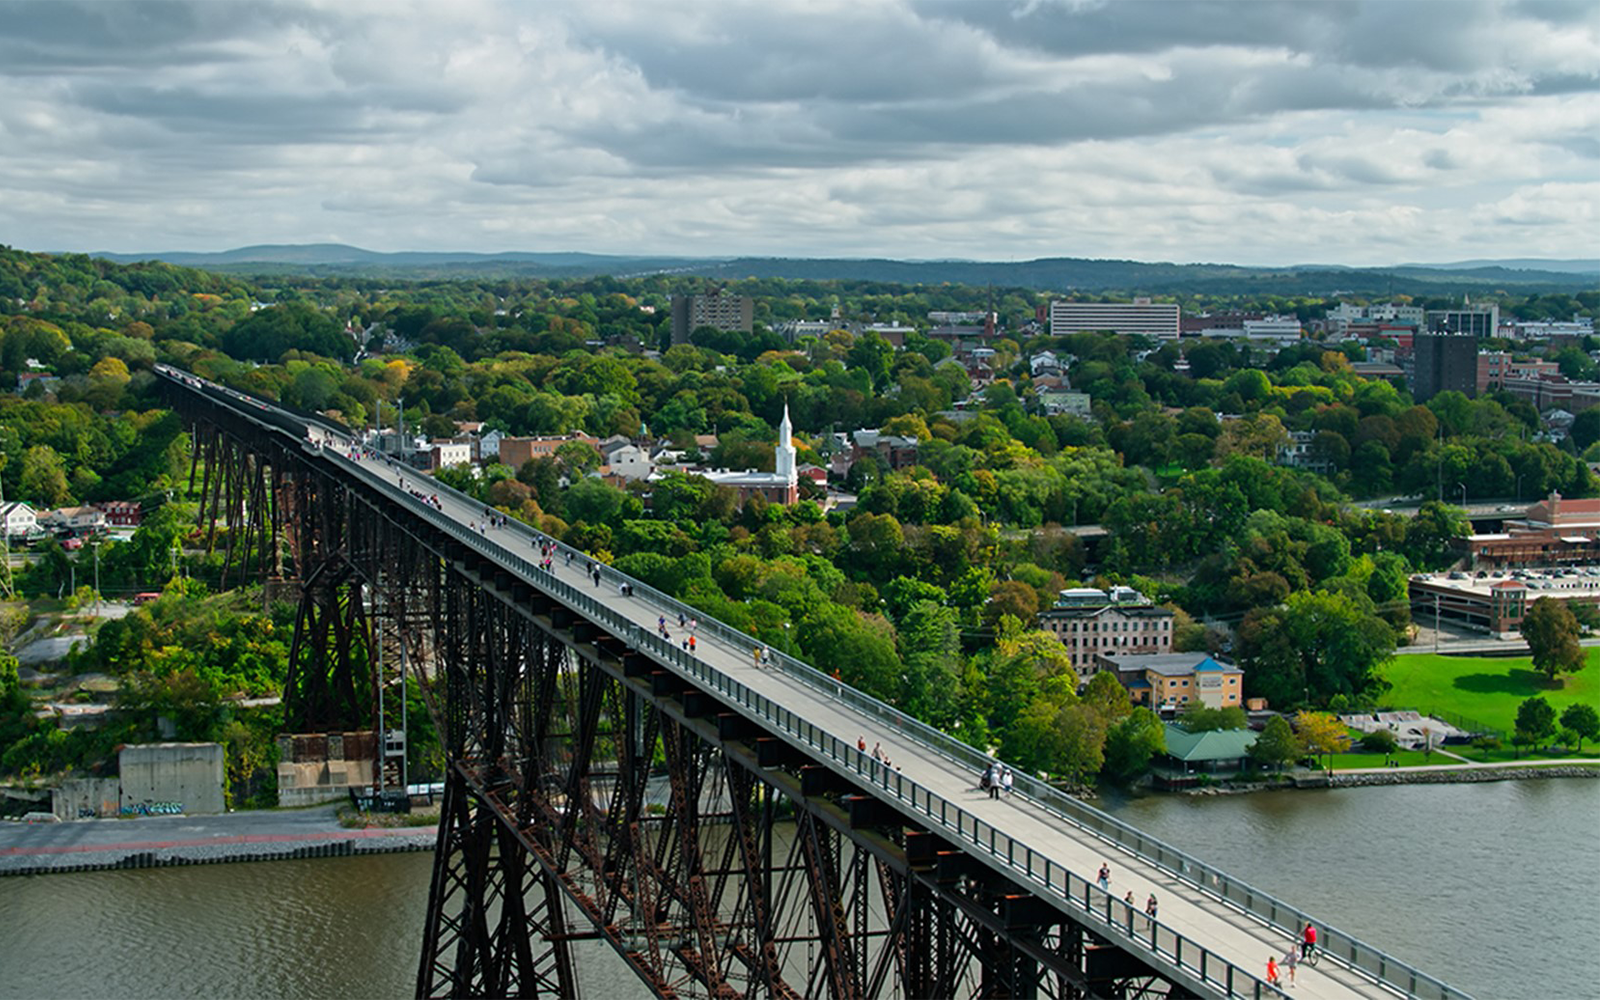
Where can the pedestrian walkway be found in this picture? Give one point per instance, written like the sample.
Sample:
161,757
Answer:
1229,934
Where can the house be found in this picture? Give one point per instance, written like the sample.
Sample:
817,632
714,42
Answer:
441,454
627,461
1053,401
1045,362
72,520
1300,453
19,519
122,513
895,451
489,446
1171,680
1089,621
518,451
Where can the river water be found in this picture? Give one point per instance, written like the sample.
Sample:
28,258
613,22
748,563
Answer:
1493,887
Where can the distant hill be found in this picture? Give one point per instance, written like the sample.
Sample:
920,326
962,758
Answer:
1589,267
1053,273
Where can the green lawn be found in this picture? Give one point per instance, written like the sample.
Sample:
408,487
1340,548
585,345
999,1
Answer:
1405,758
1485,688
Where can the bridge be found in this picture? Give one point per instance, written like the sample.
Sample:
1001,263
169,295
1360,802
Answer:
714,821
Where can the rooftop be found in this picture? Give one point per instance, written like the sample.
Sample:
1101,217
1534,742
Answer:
1219,744
1168,664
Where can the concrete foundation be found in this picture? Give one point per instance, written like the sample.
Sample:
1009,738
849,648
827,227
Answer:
84,798
323,767
188,774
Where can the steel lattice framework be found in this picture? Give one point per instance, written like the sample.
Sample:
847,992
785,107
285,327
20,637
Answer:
592,794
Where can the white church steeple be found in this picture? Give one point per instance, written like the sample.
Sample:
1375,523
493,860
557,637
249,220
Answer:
784,464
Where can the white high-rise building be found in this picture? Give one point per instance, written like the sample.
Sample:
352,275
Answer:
1141,316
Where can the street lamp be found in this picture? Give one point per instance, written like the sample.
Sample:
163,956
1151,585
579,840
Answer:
1463,487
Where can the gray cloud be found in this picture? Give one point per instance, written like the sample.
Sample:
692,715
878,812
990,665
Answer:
897,127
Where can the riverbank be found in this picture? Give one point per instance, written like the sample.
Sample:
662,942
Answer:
1462,773
1436,774
161,841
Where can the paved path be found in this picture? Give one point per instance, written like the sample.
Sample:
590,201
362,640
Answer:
1201,918
1479,765
205,838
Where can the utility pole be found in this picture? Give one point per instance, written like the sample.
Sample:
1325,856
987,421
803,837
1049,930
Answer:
97,577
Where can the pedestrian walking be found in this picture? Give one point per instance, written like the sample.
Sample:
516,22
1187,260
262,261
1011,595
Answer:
1006,780
861,744
1150,906
1272,972
877,751
691,643
1291,961
681,619
1104,878
755,657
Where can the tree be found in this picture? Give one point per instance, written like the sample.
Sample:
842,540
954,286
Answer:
1132,743
1583,721
1276,746
1536,722
1321,644
1552,633
44,477
1198,717
1380,741
1321,732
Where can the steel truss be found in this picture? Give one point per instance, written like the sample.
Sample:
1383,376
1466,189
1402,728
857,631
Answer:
593,798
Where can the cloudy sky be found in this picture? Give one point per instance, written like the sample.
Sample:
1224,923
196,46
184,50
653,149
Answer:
1262,133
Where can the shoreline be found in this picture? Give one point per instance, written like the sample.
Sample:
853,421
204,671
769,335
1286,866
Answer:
171,841
1376,777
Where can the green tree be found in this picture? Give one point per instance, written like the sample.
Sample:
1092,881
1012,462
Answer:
930,647
859,648
1276,746
1583,721
1536,722
1198,717
1380,741
44,477
1131,744
1551,630
1321,644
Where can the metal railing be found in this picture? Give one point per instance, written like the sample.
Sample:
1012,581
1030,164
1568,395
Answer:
1112,913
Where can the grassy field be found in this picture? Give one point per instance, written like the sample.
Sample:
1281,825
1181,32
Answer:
1485,688
1405,758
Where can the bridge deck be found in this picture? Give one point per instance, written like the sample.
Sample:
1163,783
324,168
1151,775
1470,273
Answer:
1230,934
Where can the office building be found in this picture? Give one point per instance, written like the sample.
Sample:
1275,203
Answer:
1139,317
1472,321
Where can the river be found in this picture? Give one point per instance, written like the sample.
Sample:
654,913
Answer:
1493,887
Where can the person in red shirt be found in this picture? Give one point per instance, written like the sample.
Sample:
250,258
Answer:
1272,971
1308,941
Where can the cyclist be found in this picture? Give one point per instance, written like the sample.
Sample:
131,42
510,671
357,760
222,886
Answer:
1308,941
